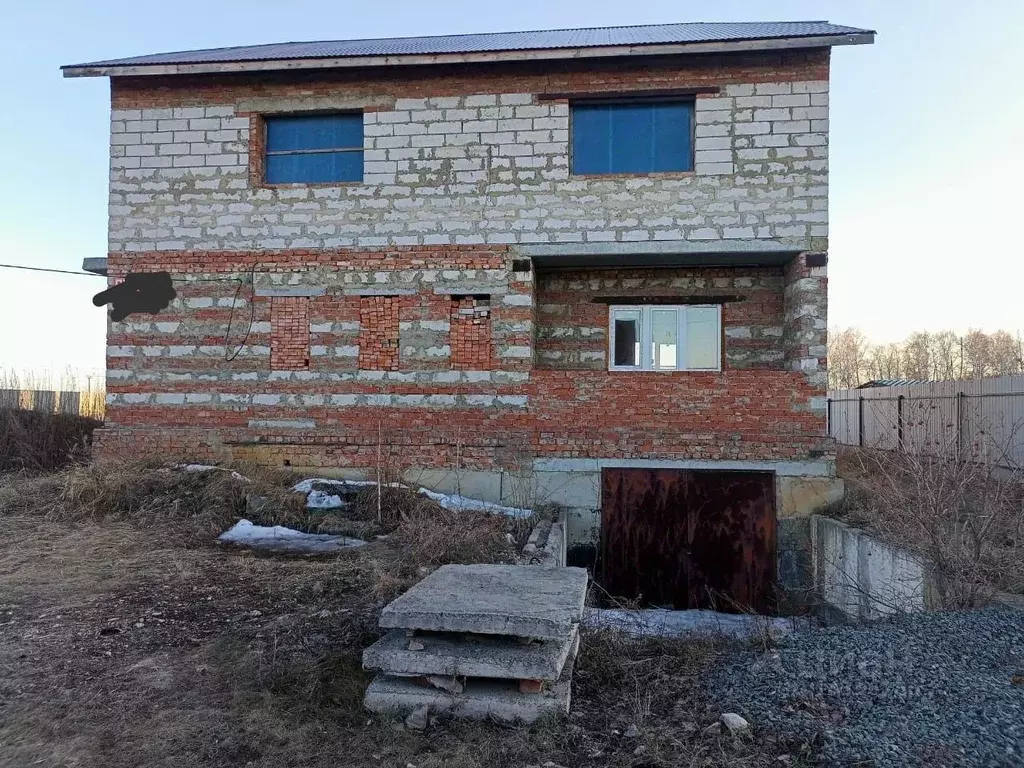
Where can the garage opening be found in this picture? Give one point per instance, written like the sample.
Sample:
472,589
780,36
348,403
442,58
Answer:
689,539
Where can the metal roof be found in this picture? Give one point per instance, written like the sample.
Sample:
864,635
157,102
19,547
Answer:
875,383
596,37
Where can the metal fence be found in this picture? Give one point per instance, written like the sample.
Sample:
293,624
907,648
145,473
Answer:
80,403
980,417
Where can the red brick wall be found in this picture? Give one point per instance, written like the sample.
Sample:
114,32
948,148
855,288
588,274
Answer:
386,84
378,333
572,306
471,334
289,333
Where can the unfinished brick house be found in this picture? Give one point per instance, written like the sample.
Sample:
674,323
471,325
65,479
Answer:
578,266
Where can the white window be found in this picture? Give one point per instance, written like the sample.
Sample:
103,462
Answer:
665,338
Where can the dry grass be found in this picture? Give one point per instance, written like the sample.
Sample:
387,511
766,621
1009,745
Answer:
964,518
38,441
126,639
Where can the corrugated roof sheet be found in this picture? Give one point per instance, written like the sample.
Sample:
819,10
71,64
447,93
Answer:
652,34
892,383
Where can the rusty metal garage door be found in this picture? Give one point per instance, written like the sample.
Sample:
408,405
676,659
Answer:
689,539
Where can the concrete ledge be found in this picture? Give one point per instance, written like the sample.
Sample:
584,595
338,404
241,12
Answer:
790,468
492,656
520,600
292,290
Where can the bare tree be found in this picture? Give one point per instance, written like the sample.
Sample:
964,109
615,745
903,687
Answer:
1004,354
917,358
977,354
847,356
945,356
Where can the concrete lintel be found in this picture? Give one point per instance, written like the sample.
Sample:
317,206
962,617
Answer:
282,424
293,290
98,266
783,468
380,291
730,253
470,289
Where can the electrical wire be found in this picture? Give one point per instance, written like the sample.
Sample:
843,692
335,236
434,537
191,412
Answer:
252,314
47,269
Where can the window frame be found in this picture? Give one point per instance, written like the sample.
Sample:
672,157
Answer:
646,339
265,120
690,100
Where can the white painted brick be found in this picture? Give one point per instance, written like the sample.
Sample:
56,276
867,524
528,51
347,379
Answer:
713,169
794,100
772,114
811,113
713,156
747,129
772,89
481,100
791,126
812,86
513,99
702,117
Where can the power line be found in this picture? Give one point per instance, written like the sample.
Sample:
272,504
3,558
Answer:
46,269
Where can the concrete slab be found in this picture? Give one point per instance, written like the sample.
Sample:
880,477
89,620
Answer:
499,699
517,600
460,655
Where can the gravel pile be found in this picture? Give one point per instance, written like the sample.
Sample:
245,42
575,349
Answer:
938,689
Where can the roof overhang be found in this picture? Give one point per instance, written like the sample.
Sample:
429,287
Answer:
746,253
483,57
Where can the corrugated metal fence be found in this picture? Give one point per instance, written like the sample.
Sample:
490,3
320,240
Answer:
80,403
980,417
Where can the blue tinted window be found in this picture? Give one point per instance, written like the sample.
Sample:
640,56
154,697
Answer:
632,137
314,149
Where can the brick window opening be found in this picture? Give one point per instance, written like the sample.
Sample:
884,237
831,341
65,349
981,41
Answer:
378,333
665,338
632,136
289,333
471,333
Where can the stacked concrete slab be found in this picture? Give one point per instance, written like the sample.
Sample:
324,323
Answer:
480,641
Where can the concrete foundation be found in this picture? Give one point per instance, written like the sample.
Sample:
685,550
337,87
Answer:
542,603
859,577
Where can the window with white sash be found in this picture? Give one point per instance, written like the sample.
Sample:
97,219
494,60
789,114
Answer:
665,338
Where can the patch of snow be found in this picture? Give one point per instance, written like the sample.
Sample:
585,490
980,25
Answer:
458,503
659,622
208,468
280,539
306,486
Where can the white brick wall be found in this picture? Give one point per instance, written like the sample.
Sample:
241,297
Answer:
482,168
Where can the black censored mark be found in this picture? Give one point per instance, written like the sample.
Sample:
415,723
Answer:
140,292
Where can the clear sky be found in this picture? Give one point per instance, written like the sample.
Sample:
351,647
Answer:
926,157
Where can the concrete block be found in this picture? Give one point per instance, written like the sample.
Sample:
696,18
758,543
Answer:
480,699
492,599
494,656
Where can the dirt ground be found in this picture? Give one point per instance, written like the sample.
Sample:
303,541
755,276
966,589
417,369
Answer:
124,645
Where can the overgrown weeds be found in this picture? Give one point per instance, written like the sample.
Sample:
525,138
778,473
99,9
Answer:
38,441
964,518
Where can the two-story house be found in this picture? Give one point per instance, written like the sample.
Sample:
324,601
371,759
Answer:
581,266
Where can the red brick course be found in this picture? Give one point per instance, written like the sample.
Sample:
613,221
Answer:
380,86
289,333
471,345
378,332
